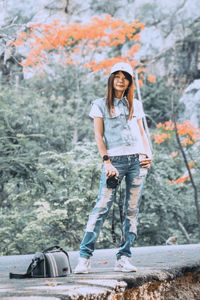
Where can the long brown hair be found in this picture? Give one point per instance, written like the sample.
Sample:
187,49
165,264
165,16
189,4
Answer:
128,93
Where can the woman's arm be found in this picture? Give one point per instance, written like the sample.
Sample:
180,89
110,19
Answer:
99,131
145,162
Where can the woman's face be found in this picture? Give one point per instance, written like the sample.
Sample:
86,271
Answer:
120,83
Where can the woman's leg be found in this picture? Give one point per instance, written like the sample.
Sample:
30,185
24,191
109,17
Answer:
97,216
135,177
106,196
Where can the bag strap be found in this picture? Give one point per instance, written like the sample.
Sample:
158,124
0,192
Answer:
22,276
112,230
121,211
19,276
51,248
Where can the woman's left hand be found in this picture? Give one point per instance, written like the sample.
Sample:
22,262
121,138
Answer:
145,160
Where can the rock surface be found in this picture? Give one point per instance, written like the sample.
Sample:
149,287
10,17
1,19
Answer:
191,101
163,271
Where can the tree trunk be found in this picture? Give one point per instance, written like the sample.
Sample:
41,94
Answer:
184,231
186,164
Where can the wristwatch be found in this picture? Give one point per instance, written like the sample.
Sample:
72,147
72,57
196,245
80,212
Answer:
105,158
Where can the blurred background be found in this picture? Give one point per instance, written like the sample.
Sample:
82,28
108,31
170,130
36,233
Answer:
55,58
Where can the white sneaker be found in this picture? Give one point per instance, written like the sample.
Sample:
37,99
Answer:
83,266
123,264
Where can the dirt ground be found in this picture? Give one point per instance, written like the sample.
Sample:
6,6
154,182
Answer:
186,287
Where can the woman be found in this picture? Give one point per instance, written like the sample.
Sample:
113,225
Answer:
125,151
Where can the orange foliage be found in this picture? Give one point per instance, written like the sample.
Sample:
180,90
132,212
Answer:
180,180
151,78
160,138
141,69
140,82
174,154
136,37
191,164
76,41
168,125
186,130
106,32
159,125
189,135
106,64
133,50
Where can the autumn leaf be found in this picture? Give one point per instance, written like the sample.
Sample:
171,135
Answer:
174,154
151,78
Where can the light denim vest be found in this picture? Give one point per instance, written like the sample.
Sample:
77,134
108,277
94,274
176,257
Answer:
118,131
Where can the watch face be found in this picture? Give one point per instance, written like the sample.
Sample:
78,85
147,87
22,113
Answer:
105,157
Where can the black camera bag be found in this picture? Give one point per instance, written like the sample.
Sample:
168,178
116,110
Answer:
51,262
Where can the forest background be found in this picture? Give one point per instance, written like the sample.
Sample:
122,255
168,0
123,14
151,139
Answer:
55,59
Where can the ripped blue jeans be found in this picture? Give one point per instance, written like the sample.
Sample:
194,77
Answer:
128,166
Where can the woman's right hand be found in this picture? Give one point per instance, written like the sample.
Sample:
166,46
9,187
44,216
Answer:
110,170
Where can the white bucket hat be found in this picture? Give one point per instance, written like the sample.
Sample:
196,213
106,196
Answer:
121,66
